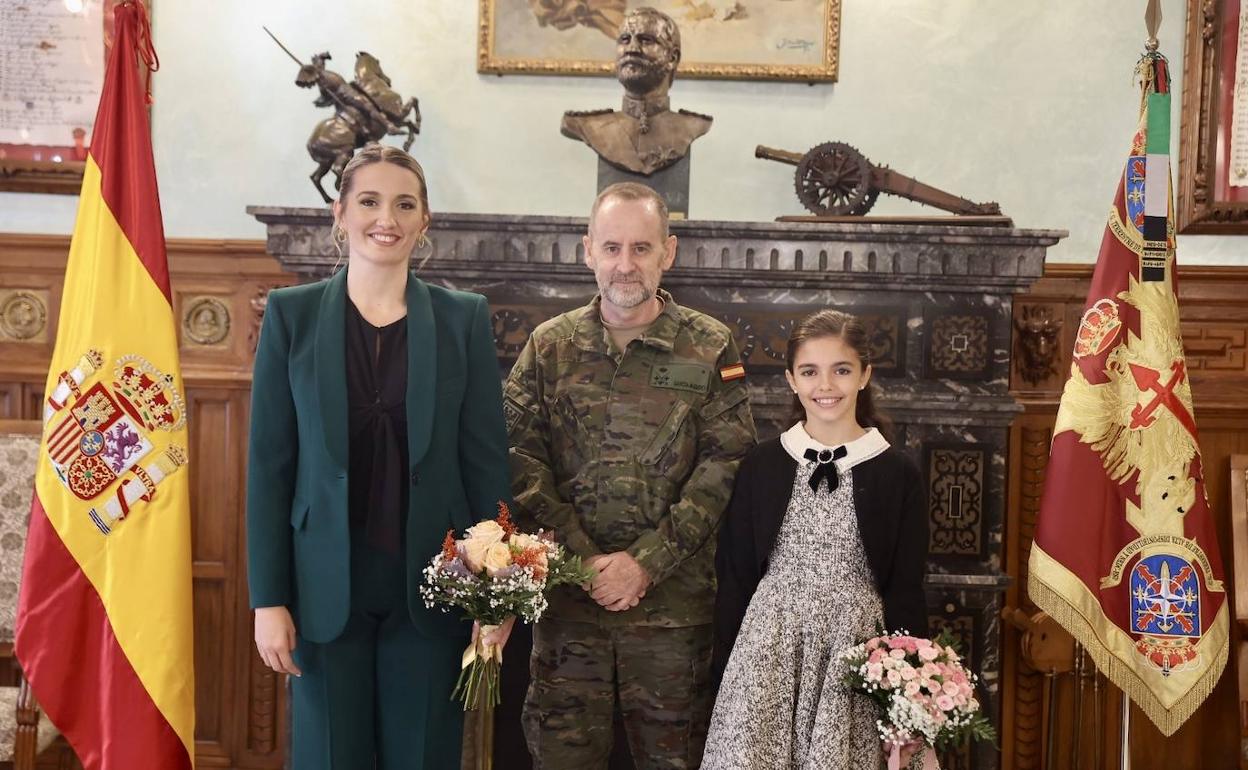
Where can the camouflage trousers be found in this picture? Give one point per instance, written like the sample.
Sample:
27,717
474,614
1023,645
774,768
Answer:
657,677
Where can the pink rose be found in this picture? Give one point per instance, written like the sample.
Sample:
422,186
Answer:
896,653
928,653
944,703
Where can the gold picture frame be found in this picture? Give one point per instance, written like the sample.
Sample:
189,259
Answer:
796,40
1206,201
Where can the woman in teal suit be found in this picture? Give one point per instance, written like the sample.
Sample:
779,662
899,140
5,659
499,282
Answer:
376,426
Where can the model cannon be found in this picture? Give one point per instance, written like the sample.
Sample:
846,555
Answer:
834,179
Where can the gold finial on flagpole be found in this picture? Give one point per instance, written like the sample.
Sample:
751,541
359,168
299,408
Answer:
1152,21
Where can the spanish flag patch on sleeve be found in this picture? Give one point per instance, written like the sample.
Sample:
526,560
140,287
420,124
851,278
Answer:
734,372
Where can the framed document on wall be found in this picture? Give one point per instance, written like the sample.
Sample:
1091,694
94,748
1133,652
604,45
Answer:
52,57
1213,138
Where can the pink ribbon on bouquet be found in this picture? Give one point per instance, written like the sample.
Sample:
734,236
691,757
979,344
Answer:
929,756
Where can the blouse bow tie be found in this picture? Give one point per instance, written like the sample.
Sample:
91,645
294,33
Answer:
826,469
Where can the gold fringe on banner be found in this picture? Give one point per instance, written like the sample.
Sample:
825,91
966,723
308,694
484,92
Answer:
1101,639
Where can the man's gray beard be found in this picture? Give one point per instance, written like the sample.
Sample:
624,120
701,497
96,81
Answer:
629,296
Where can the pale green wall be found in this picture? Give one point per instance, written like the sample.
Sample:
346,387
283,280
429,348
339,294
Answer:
1026,102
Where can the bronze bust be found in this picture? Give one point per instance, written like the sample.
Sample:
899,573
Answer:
645,136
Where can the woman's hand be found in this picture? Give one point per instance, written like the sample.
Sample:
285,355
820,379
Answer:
275,639
498,637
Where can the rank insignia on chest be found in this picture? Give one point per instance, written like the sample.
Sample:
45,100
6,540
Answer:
100,439
692,377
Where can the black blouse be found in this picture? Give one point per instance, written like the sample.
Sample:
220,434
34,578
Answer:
377,429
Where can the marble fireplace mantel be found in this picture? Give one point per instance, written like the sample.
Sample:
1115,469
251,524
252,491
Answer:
937,299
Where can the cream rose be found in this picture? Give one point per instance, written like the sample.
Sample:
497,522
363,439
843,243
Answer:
474,553
487,531
525,542
497,556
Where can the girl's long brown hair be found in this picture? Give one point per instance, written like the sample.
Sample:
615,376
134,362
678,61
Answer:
850,330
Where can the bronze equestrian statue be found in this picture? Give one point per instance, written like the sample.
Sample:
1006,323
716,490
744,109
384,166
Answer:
365,110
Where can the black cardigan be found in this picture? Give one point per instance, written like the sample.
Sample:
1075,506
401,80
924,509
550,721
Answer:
889,502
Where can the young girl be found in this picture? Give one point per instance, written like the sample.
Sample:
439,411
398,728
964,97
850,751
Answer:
825,538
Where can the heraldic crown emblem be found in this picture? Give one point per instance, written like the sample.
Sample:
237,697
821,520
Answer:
98,436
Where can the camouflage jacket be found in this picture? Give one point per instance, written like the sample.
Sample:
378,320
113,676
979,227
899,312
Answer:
632,450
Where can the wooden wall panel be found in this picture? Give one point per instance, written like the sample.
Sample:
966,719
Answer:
1214,319
219,288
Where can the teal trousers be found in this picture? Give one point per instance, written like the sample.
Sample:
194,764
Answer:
379,696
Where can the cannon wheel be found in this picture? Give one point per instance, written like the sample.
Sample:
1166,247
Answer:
834,179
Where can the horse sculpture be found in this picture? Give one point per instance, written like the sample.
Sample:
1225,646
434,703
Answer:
365,110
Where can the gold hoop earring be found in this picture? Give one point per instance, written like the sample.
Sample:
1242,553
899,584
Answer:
338,236
421,244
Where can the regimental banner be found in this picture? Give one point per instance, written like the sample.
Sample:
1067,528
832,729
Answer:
104,627
1125,555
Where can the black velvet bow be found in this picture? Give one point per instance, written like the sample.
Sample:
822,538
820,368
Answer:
827,467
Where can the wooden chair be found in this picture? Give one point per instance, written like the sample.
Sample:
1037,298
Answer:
1239,558
20,738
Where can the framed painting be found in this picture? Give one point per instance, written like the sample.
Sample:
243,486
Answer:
51,74
1213,141
729,39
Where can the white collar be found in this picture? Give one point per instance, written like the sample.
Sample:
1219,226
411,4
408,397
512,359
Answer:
796,441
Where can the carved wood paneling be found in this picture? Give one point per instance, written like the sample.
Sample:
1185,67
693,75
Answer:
1215,326
219,291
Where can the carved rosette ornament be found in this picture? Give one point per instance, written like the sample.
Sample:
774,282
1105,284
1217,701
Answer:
23,316
206,321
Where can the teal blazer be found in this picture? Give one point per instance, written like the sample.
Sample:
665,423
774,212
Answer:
297,533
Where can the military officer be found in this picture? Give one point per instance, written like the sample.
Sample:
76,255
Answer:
627,419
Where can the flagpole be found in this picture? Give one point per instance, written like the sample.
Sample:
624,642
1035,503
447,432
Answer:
1152,22
1125,761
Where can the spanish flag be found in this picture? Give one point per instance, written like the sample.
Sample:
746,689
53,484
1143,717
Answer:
1125,554
104,630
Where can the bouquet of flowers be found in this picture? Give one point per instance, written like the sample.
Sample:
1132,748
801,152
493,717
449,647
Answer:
926,696
491,574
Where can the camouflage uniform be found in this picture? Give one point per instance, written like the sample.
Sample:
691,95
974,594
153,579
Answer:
635,451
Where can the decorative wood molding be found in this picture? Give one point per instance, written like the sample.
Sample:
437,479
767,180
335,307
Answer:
1214,320
215,282
1203,124
24,315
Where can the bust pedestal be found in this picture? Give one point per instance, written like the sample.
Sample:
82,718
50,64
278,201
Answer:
672,183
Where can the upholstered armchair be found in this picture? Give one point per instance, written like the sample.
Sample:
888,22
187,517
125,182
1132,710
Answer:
20,736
